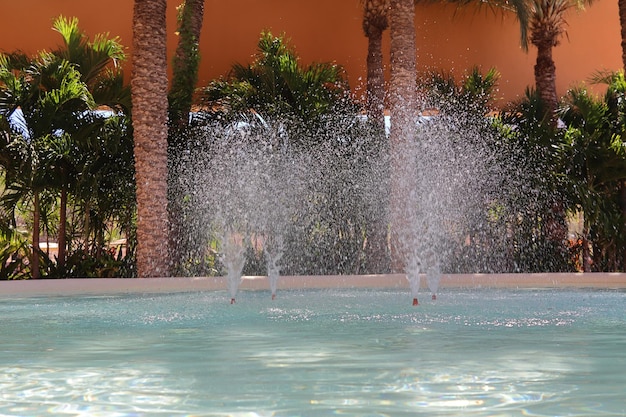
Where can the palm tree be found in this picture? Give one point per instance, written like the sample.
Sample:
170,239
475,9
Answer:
97,60
149,100
375,22
186,60
403,83
546,26
622,20
97,63
49,92
180,98
403,109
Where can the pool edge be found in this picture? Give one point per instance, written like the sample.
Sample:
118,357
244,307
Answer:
75,286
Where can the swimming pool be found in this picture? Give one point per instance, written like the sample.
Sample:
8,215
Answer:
316,352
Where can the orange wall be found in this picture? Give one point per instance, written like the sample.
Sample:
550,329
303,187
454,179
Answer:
330,30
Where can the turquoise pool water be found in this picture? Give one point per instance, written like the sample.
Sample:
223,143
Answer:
316,353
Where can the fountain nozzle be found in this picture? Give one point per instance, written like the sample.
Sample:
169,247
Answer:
232,301
434,297
415,302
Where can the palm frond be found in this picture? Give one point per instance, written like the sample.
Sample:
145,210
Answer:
92,58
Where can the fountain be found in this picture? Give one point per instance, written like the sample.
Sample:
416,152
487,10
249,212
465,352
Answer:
171,347
243,186
302,204
273,250
346,344
233,257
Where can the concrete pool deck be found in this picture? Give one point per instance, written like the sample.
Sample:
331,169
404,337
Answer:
86,286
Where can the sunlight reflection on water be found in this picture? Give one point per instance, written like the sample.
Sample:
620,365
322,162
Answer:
348,352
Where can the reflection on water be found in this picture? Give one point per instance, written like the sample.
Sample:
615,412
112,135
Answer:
315,353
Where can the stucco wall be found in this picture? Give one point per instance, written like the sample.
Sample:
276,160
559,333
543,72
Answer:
330,30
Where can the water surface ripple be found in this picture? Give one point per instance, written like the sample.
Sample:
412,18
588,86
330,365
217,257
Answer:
316,353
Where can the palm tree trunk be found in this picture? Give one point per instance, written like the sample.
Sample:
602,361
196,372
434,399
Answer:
180,99
403,86
62,240
622,20
545,78
34,261
186,61
375,77
149,100
586,250
375,22
403,109
623,207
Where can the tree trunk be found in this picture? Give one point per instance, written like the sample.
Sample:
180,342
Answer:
403,110
545,77
622,20
180,99
34,261
186,61
623,225
586,250
62,240
149,100
375,22
375,78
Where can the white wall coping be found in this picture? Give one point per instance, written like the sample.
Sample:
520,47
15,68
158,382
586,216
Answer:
78,286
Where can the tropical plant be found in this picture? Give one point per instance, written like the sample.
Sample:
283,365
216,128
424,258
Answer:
14,252
57,138
594,149
97,62
537,202
104,196
14,248
474,94
276,86
48,92
91,133
149,99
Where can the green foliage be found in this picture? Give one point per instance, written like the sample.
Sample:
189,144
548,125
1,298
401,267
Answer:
46,90
96,62
277,105
84,264
276,86
594,155
340,193
576,167
58,148
473,95
14,251
536,206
